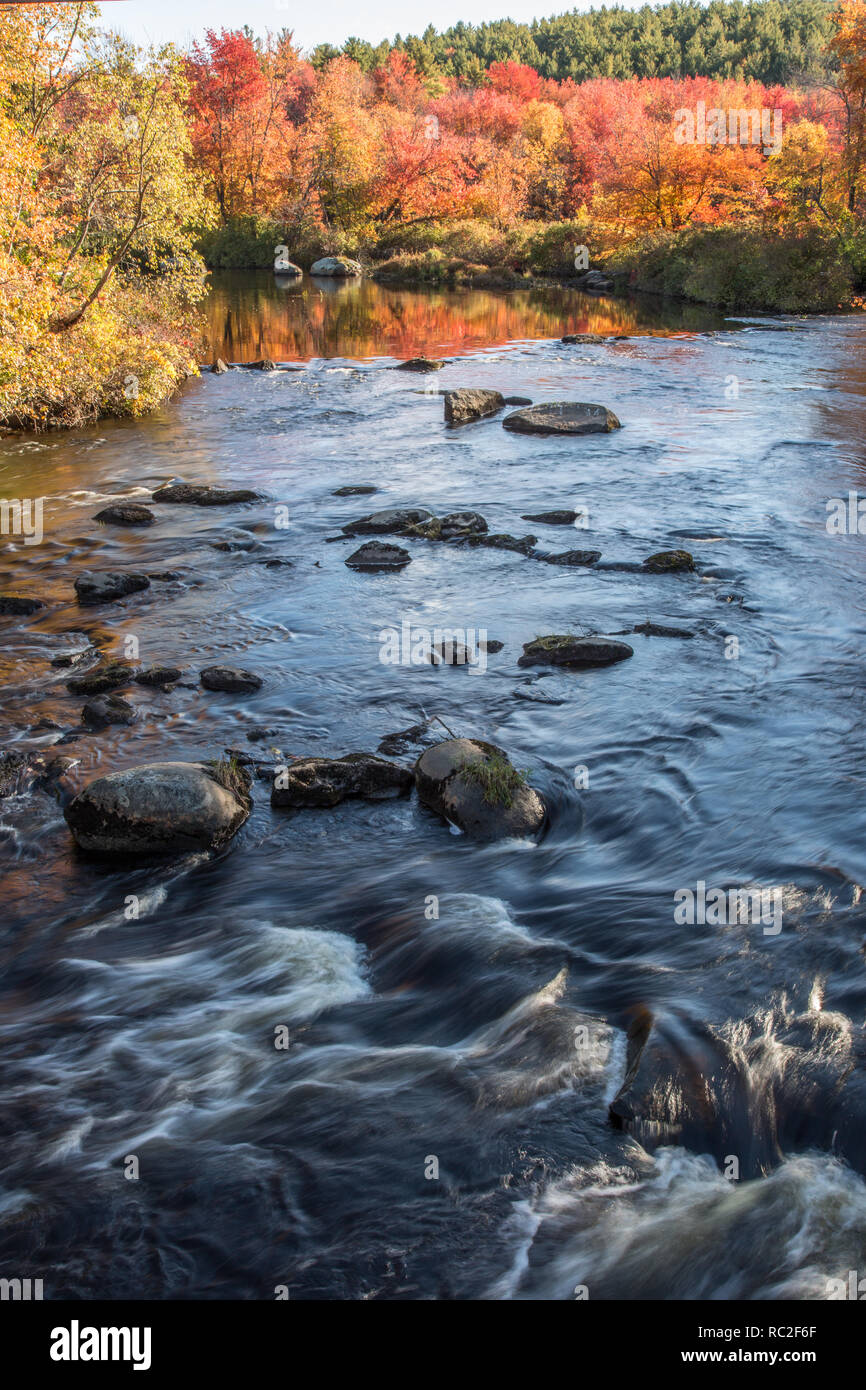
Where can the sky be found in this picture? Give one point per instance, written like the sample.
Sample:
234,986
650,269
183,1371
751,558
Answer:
325,21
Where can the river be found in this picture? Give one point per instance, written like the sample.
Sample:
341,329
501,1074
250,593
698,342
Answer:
438,1125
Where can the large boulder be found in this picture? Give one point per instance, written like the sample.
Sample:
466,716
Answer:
392,521
105,586
562,417
200,495
328,781
565,650
126,514
558,518
468,404
475,787
340,267
160,808
378,555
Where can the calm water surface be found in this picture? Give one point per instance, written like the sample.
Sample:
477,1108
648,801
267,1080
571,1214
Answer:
494,1037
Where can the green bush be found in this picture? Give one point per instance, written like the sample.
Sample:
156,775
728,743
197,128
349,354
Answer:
747,267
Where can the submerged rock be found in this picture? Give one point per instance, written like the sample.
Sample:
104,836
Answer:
264,364
517,400
670,562
200,495
468,404
159,675
565,650
582,338
328,781
103,710
552,518
397,743
391,521
572,557
340,267
108,675
231,679
419,364
377,555
235,540
656,630
354,490
563,417
18,605
160,808
501,540
105,586
126,514
474,786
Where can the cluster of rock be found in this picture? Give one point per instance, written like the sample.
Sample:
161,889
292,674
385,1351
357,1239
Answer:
467,404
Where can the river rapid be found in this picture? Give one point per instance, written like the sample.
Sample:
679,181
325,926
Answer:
457,1013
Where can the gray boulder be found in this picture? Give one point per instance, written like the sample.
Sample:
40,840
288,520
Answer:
103,710
562,417
231,679
18,605
160,808
126,514
340,267
106,586
468,404
200,495
572,557
670,562
419,364
389,522
474,786
328,781
565,650
378,555
108,675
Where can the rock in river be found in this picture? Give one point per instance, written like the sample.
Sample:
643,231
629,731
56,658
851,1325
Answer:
108,675
159,675
231,679
389,522
467,404
565,650
327,781
18,605
338,266
105,586
670,562
199,495
103,710
562,518
572,557
419,364
475,787
378,555
126,514
160,808
563,417
354,490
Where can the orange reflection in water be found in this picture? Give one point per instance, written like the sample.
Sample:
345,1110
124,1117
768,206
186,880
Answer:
252,314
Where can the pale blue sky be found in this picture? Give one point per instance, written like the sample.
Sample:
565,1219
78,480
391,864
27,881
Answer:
326,21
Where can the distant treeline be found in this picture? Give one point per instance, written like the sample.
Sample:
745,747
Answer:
765,41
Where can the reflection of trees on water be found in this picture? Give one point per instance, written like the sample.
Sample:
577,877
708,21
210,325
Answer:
251,315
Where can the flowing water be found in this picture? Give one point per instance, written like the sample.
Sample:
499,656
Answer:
486,1042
